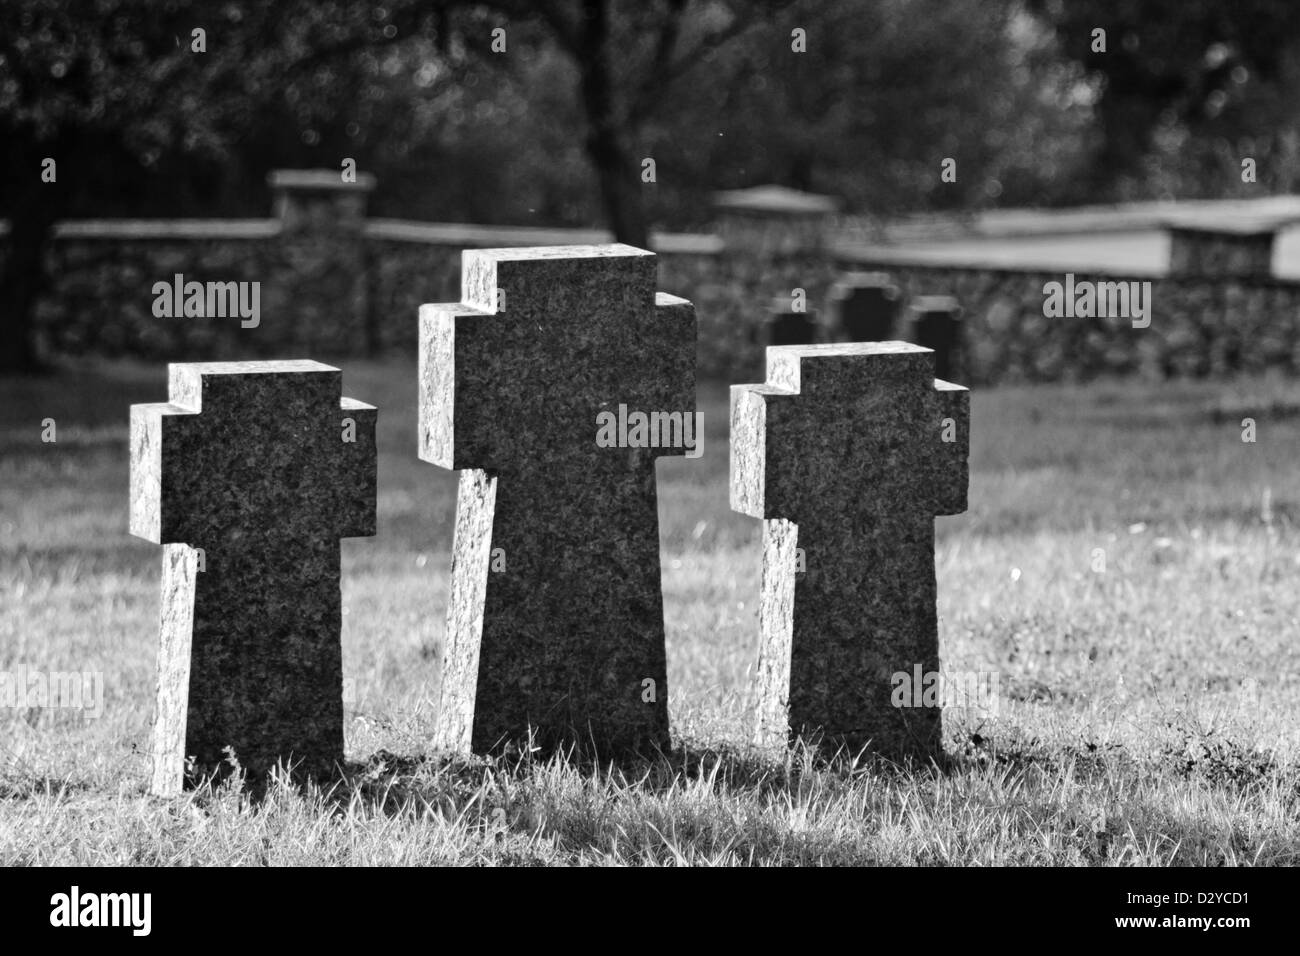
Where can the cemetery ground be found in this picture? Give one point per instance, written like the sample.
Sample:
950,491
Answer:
1128,569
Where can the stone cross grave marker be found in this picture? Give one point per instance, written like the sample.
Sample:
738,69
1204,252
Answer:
866,306
248,478
847,453
555,624
786,326
936,323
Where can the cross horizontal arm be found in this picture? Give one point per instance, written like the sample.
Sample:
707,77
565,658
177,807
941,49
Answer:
187,382
437,376
754,489
951,475
671,361
356,481
151,425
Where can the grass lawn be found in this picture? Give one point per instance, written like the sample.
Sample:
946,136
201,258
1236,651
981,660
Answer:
1148,712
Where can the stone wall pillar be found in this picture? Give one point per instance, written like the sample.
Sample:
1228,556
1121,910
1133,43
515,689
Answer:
773,221
318,300
775,241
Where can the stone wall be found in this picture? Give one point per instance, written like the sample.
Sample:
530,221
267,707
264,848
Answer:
332,296
1199,327
335,284
102,297
102,276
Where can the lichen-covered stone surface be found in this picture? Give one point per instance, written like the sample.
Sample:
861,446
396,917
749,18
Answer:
555,625
842,454
249,477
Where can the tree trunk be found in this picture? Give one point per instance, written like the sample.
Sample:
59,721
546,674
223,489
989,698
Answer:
23,278
617,172
620,189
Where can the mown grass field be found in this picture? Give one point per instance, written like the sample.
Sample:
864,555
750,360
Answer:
1149,713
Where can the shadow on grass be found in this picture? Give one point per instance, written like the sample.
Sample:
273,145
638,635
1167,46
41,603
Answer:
391,782
1193,754
29,788
569,794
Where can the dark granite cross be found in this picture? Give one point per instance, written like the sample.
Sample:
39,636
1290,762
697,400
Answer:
786,326
248,478
843,453
866,307
936,324
555,624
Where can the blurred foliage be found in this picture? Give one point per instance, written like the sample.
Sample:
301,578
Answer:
1184,91
886,92
710,89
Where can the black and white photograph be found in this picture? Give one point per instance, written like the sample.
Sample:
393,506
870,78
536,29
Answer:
650,433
